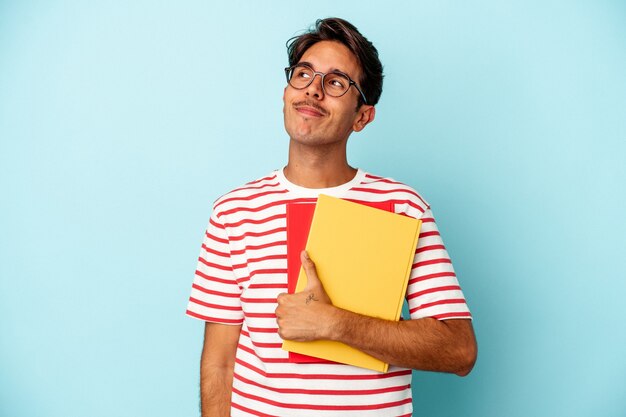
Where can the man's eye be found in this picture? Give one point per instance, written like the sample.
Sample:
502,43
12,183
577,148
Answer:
336,82
303,74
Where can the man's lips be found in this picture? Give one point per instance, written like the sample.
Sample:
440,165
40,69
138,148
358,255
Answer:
309,110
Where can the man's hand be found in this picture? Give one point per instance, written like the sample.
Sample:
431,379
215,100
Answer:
305,315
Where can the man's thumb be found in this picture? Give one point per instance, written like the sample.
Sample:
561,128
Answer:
309,268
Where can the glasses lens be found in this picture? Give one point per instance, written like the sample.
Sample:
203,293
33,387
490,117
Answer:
300,77
336,84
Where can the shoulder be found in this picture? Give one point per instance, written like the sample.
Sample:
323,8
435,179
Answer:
405,198
249,193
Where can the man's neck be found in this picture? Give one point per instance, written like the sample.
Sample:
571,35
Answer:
311,167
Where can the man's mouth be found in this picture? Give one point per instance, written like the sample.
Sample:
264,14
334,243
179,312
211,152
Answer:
309,109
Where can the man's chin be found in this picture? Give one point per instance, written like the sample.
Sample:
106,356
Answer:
301,132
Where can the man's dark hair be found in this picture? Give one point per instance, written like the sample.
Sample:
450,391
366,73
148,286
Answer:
335,29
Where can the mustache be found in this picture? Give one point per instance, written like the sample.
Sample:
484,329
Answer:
310,103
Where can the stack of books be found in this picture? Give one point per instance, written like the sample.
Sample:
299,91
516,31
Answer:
363,253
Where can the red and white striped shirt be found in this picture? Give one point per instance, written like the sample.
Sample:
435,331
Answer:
243,267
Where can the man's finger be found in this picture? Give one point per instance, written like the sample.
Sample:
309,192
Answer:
309,268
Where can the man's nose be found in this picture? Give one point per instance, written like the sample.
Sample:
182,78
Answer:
316,88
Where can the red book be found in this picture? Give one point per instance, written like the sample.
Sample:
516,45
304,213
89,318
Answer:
299,218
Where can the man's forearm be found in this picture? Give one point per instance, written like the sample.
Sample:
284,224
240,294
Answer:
217,368
425,344
215,391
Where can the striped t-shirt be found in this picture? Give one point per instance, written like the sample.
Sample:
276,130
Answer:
243,267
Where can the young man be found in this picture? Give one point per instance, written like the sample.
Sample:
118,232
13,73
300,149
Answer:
334,81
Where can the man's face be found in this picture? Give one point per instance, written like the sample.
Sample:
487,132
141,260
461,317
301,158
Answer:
314,118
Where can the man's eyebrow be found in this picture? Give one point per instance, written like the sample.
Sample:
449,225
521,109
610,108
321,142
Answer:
308,64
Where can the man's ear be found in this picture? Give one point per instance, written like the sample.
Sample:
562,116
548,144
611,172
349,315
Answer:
365,115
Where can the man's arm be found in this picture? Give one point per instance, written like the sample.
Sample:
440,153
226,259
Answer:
425,344
216,368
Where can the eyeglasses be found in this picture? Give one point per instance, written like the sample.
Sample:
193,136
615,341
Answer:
335,83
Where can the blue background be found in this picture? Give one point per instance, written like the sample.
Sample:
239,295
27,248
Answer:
121,123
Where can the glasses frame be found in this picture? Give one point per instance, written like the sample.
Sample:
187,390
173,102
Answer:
288,70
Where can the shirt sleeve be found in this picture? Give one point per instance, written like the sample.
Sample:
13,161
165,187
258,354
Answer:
215,293
433,289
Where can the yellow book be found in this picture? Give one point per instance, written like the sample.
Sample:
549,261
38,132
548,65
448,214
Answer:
363,257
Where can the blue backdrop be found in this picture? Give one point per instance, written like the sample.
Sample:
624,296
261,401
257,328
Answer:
121,123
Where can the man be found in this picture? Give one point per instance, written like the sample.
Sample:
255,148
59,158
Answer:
334,81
